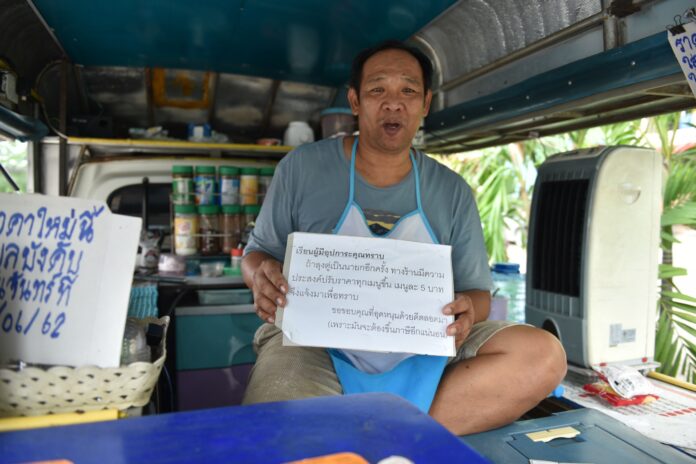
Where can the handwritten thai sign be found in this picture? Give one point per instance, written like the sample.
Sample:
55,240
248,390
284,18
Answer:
684,47
367,294
66,267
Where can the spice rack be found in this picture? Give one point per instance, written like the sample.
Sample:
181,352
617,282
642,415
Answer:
213,214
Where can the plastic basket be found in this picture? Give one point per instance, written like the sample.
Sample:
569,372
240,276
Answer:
36,391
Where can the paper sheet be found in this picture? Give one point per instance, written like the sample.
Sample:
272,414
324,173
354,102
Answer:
66,267
367,294
671,419
684,48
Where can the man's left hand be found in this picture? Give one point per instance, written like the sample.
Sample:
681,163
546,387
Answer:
463,310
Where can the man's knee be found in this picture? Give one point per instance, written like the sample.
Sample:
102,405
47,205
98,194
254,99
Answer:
283,373
534,352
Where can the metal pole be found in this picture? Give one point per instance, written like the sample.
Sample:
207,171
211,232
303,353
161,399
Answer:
9,178
63,143
35,152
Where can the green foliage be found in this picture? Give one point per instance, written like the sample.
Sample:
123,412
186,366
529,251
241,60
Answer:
13,157
502,179
676,328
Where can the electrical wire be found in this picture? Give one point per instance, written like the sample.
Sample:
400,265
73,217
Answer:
170,386
37,96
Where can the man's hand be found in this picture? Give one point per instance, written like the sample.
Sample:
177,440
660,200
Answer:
464,317
265,277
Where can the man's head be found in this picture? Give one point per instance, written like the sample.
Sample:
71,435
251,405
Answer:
360,59
390,94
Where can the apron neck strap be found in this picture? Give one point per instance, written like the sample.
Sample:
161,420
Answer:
416,176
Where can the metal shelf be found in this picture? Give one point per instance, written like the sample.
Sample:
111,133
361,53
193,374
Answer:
98,146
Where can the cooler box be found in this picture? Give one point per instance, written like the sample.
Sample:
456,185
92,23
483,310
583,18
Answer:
215,341
601,440
214,354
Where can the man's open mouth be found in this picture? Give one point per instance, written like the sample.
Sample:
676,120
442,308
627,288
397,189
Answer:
391,127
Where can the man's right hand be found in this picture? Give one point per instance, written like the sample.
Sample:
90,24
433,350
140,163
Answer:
264,275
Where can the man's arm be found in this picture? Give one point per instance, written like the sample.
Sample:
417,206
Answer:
468,308
263,274
481,300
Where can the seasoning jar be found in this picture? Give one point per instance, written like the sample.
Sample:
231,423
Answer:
229,185
265,176
209,229
236,260
182,185
249,186
231,227
205,185
185,230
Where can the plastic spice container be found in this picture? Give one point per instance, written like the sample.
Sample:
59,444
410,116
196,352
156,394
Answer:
229,185
231,227
209,229
236,260
185,230
265,177
205,185
182,185
249,186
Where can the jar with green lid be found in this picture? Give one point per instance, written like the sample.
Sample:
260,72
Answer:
265,177
231,227
182,185
229,185
209,229
249,214
205,185
185,230
249,186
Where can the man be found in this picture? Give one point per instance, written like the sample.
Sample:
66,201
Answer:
501,369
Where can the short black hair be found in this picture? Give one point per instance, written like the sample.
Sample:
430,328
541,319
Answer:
360,59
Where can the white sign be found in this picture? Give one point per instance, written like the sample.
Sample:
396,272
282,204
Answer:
370,294
66,267
684,47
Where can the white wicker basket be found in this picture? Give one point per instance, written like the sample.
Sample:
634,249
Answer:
35,391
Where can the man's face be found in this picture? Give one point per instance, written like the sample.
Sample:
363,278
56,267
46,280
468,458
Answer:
392,101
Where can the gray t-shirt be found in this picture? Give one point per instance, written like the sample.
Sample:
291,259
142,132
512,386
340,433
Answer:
310,189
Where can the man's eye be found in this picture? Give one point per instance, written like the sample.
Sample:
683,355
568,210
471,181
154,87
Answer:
376,90
407,90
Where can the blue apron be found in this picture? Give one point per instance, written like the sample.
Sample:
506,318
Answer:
413,377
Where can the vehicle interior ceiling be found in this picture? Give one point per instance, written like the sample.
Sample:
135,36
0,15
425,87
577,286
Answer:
505,70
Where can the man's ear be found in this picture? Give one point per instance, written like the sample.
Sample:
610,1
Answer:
353,100
426,103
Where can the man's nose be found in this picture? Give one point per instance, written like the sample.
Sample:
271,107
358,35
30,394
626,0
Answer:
393,102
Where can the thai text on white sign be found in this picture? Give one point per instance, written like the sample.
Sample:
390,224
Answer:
66,267
371,294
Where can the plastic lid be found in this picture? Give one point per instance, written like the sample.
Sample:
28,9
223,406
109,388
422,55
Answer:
185,209
506,268
208,209
205,170
231,209
229,170
266,171
182,169
250,171
253,209
336,110
236,252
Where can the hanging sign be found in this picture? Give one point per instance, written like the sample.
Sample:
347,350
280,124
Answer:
66,267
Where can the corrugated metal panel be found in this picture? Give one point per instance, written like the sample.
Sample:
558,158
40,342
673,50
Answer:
476,32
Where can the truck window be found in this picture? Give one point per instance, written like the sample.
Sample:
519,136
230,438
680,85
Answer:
128,200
